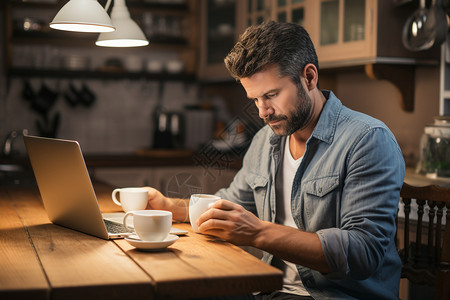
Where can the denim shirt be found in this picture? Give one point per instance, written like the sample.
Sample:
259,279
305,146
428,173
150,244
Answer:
346,190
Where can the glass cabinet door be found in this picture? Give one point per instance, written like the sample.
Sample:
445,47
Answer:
258,11
329,22
280,10
221,20
292,11
346,30
342,21
221,23
298,12
354,21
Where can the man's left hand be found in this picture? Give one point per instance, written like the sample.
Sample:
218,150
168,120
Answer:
231,222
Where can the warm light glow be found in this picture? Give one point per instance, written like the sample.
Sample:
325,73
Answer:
80,27
122,43
414,29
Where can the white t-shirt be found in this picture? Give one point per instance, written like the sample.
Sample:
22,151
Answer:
291,281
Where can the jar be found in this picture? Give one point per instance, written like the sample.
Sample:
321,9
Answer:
435,149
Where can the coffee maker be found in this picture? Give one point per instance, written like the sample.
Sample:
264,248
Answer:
168,129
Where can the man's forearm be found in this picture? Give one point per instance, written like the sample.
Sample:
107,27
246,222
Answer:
291,244
180,209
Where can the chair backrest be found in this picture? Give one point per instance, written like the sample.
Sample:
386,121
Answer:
426,257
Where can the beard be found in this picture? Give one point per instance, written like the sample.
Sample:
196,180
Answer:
298,118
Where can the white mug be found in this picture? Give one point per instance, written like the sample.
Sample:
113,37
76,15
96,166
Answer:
198,204
131,198
150,225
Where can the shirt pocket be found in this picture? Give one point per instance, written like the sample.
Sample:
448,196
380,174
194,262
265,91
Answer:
256,181
320,201
259,186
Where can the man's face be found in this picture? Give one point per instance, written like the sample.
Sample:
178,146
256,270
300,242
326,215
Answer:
281,105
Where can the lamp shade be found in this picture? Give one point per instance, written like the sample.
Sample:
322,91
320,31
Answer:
127,34
82,16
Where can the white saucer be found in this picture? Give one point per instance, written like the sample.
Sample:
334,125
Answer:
135,241
178,231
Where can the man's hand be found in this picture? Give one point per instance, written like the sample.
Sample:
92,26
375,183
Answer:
231,222
178,207
156,200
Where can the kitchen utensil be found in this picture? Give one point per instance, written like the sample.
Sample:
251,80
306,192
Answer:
174,66
44,100
154,66
75,62
87,97
75,96
47,128
435,149
71,96
425,27
28,92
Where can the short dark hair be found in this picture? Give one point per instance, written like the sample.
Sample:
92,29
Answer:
286,45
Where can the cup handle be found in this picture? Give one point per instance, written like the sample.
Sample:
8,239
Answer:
114,193
129,229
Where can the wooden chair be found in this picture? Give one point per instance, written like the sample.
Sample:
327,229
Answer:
426,258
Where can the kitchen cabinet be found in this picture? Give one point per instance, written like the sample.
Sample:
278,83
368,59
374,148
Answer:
32,49
222,21
347,32
354,34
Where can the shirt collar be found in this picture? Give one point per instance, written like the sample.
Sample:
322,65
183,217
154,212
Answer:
326,126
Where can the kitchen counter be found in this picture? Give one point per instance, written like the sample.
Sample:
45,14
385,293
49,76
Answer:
420,180
142,157
16,170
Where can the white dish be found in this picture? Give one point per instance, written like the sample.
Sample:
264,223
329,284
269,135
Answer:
174,66
134,240
178,231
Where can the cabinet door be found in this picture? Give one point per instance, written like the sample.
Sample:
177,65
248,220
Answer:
292,11
258,11
346,30
221,24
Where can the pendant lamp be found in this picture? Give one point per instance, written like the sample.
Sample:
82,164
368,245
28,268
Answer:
82,16
127,33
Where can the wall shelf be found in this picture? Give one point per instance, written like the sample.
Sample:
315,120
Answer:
165,76
38,52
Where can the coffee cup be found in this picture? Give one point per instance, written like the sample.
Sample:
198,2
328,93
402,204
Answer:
130,198
150,225
198,204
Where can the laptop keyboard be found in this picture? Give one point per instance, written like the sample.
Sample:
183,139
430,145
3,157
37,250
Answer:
114,227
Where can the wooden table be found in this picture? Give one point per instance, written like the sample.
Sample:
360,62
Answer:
40,260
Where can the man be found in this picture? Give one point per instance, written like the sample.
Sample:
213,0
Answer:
319,187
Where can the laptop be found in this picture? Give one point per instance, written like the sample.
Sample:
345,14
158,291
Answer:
66,188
